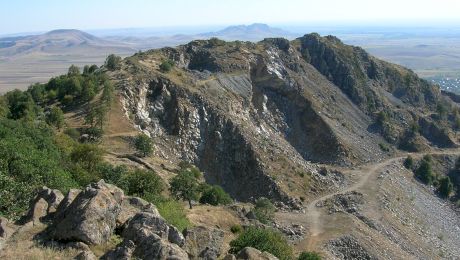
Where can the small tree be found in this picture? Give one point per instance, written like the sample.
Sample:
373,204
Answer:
55,117
264,210
185,185
445,187
113,62
143,144
73,71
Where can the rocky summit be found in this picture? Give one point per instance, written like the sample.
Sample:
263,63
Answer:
301,149
255,116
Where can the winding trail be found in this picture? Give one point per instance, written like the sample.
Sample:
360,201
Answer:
313,213
313,217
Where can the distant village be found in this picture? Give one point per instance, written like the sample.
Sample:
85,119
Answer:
451,84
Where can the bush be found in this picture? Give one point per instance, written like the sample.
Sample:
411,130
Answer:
236,229
173,212
29,159
267,240
142,182
445,187
94,133
409,162
424,171
214,42
215,195
309,256
113,62
384,147
72,133
143,144
264,210
87,155
55,117
167,65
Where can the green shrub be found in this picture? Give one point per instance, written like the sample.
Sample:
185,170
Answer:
29,159
445,187
267,240
424,171
173,212
215,195
113,62
87,155
309,256
167,65
384,147
409,162
264,210
55,117
72,133
214,42
143,144
141,182
236,229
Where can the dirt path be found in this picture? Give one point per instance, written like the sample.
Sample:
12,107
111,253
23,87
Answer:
313,213
314,218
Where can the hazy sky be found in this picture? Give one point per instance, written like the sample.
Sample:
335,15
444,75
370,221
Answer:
43,15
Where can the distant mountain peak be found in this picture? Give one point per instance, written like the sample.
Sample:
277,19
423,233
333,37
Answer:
255,31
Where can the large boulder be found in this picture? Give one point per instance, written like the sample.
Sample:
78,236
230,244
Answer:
249,253
68,199
175,236
123,251
130,206
154,247
43,204
143,225
148,236
91,217
203,242
85,255
5,229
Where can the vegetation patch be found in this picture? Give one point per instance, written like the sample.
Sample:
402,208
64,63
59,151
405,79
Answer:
267,240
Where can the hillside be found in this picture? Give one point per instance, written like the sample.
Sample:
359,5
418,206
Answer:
338,152
57,42
26,60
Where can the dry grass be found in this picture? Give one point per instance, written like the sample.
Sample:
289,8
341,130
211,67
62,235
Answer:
21,246
100,250
218,217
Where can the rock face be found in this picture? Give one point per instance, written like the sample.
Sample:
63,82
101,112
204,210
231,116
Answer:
203,242
133,205
245,112
91,217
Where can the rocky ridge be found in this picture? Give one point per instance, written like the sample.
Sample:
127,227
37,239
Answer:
265,114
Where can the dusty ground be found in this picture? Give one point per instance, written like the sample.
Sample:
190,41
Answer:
399,219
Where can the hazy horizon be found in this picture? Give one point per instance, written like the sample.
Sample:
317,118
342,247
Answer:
22,17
